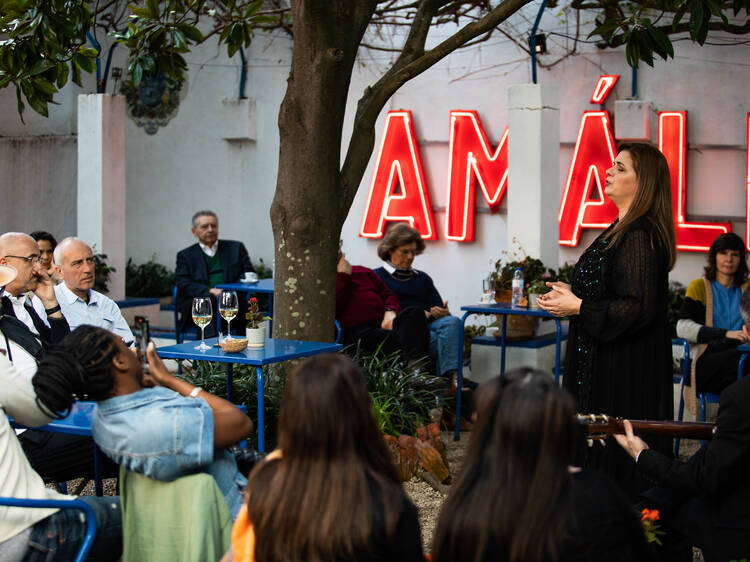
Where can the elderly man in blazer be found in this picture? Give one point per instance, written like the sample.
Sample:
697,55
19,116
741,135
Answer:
705,501
206,264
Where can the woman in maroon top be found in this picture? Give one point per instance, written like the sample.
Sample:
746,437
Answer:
371,317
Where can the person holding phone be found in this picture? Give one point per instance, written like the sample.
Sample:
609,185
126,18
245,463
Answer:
154,424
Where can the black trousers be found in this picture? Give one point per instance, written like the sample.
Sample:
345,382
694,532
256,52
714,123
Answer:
716,368
61,457
410,335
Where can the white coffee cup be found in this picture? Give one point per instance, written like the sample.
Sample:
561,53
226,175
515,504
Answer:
250,277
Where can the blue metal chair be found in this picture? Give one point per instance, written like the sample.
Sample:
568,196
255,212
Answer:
685,373
88,539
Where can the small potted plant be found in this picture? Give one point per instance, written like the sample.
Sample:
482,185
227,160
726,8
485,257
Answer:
536,288
256,334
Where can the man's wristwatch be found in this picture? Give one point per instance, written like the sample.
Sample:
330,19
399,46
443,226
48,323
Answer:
52,310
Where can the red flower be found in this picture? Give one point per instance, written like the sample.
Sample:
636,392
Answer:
650,514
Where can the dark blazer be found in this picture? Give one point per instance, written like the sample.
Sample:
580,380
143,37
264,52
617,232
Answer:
191,274
718,472
17,331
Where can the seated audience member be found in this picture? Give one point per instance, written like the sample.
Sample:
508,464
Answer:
705,502
517,498
371,316
208,263
48,534
47,244
710,317
80,303
165,432
414,288
29,326
330,491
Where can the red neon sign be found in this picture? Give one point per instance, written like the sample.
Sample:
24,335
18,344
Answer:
472,158
398,191
604,87
695,237
584,204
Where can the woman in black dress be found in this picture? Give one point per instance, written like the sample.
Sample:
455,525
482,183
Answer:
619,358
518,499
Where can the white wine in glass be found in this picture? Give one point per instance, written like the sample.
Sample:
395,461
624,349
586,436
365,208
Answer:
202,316
228,308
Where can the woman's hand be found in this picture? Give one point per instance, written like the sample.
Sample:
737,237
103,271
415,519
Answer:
158,373
736,335
632,444
440,311
560,301
388,317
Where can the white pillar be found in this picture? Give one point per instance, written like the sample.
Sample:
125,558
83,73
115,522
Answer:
534,168
101,181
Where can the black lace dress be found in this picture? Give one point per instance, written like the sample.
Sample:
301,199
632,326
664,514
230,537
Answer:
619,358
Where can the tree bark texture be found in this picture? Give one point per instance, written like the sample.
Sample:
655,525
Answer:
314,192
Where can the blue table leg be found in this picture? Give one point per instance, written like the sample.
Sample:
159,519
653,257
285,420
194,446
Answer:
558,340
459,378
740,367
230,381
270,314
97,472
259,384
502,345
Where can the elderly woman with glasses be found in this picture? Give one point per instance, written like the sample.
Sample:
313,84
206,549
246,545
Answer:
415,288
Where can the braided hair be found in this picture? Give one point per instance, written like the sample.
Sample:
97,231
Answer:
79,367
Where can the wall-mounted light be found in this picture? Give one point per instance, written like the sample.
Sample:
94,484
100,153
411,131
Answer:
540,42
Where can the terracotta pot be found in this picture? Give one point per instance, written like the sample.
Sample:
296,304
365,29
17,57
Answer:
256,337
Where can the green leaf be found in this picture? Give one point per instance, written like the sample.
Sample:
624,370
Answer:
20,105
253,8
40,66
191,32
137,74
698,23
38,105
84,63
662,44
44,86
153,8
76,78
62,74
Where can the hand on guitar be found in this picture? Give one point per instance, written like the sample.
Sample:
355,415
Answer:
632,444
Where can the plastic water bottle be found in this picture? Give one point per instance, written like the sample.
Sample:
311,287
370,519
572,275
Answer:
517,289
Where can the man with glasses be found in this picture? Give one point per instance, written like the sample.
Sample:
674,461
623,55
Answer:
81,304
34,322
29,325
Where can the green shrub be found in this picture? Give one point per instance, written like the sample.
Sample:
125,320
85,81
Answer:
150,279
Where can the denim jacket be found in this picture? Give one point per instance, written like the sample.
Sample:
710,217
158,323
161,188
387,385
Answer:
163,435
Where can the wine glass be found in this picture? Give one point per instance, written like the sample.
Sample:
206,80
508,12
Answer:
202,315
228,307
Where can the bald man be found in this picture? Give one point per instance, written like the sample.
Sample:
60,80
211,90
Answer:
81,304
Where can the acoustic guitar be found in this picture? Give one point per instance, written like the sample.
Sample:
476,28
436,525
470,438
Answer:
599,426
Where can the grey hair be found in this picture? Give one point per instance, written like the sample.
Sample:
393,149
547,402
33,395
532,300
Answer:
57,254
204,213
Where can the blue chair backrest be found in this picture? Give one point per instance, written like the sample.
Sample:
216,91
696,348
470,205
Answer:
88,539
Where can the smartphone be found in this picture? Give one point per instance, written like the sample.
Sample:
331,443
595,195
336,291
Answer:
142,337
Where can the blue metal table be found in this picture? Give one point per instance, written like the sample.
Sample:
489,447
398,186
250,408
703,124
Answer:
264,286
77,422
274,351
504,309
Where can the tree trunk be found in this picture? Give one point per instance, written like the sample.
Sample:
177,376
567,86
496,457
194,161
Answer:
307,213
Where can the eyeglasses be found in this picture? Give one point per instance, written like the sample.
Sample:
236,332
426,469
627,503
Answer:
28,259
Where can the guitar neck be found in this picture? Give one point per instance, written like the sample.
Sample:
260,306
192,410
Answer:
687,430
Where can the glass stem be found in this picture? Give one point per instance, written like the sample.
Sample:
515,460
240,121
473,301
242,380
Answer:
203,328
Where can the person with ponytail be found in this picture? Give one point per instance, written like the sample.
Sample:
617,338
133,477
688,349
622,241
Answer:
164,432
330,492
518,498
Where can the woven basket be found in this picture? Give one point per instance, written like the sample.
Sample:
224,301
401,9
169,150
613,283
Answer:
234,346
518,327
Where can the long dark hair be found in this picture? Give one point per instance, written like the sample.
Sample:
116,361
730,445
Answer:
79,367
335,487
513,496
728,241
652,199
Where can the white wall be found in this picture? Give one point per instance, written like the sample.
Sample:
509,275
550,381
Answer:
187,165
